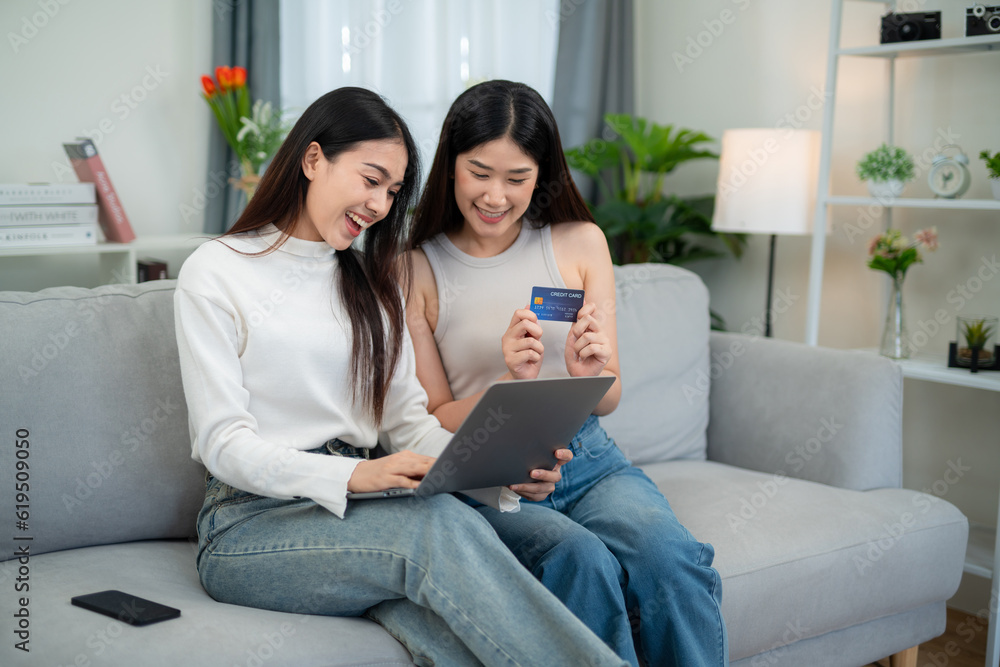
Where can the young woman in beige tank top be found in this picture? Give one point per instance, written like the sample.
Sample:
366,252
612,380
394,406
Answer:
500,211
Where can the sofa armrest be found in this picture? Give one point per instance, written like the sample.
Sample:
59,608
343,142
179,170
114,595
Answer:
829,416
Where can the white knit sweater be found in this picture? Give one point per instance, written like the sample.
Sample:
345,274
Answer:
265,349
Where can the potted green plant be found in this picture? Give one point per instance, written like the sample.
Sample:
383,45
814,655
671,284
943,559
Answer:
977,332
993,167
642,223
886,171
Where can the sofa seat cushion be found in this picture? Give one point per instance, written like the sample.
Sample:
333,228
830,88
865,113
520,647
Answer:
208,633
800,559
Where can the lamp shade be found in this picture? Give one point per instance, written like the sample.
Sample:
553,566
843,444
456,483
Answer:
767,181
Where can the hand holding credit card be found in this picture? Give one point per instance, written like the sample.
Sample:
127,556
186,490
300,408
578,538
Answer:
556,303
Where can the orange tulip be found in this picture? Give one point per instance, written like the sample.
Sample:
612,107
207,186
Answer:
224,75
208,85
239,78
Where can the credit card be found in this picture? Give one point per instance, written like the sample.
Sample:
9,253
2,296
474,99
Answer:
556,303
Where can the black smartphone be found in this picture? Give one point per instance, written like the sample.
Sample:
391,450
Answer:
126,608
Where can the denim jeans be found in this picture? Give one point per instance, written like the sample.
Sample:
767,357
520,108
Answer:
430,570
607,543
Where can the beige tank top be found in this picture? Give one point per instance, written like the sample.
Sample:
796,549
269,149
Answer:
477,297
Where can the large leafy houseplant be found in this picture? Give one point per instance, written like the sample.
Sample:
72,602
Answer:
642,223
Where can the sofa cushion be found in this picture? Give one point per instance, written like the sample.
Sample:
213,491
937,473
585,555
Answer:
800,559
92,383
207,633
663,326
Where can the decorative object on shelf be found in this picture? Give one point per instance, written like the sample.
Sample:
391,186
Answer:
982,20
993,167
254,133
910,27
640,221
949,176
767,185
150,268
974,347
895,254
886,171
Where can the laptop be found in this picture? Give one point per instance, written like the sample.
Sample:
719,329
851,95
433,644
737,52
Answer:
514,428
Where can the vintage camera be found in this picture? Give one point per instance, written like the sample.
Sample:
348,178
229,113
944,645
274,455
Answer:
910,27
982,20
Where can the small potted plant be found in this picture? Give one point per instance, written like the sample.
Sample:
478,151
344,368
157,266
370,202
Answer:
993,167
886,170
975,332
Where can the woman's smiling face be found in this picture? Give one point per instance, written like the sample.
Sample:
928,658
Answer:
350,193
493,187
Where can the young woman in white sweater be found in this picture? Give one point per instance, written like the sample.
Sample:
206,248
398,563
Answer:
294,356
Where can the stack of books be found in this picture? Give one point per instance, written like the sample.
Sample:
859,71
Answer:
48,214
54,214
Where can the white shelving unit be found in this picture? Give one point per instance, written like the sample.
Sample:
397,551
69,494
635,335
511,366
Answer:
913,202
825,199
934,368
117,260
983,554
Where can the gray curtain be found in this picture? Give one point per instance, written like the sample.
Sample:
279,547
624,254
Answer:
594,73
244,33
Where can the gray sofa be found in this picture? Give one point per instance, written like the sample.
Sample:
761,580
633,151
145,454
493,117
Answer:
786,458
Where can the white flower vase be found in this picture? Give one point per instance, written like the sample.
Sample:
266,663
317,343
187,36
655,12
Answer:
885,189
995,186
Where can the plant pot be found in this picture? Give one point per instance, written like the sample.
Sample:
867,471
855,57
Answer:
885,189
987,326
995,186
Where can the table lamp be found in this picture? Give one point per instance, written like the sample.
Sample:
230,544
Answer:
767,185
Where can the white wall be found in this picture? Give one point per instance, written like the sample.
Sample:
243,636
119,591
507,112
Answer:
126,74
766,60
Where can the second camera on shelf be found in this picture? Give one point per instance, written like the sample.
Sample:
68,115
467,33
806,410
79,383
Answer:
982,20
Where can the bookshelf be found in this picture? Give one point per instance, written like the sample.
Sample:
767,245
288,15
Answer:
115,262
983,554
913,202
934,368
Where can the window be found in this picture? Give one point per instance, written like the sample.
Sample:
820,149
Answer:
418,54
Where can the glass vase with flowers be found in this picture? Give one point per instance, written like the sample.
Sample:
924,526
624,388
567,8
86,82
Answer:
254,130
894,254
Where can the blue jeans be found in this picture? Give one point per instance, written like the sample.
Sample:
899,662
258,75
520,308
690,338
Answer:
431,571
607,543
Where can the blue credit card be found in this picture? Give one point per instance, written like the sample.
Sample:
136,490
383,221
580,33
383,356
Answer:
556,303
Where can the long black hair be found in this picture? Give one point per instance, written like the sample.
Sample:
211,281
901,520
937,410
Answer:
485,112
368,280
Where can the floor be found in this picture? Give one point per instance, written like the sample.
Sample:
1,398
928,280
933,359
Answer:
963,644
